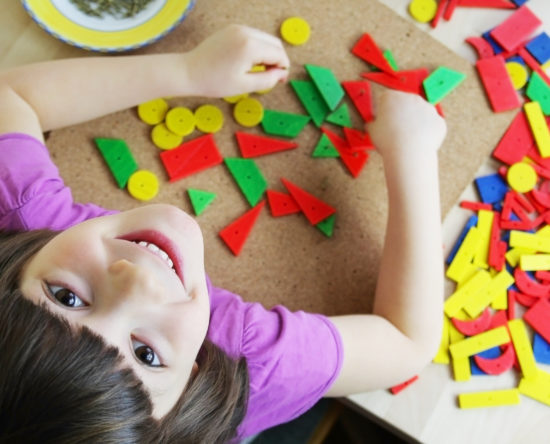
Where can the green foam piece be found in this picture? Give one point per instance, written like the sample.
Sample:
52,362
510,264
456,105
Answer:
325,148
327,225
340,116
441,82
538,90
280,123
311,99
119,159
388,55
249,178
200,199
327,84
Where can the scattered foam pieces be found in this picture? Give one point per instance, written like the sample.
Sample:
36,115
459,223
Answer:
208,118
248,112
313,208
119,159
367,50
516,29
281,204
236,233
153,112
466,292
498,85
311,99
325,148
163,138
481,342
200,199
253,145
359,92
327,84
180,121
143,185
492,398
539,127
441,82
522,177
249,178
340,116
423,11
295,30
281,123
522,346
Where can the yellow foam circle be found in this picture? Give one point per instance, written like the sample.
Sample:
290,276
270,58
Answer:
518,74
143,185
295,30
180,121
423,10
164,138
522,177
209,118
153,112
248,112
235,99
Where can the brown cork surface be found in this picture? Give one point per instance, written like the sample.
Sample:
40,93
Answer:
286,260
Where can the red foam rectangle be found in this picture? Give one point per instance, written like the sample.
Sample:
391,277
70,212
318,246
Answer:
497,83
516,28
504,4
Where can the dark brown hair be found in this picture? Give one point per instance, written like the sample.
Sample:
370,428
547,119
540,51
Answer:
65,385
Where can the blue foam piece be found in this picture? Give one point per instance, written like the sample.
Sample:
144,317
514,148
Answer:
539,47
518,3
497,49
516,59
541,349
491,188
492,353
471,222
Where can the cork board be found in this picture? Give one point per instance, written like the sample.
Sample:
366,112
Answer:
285,260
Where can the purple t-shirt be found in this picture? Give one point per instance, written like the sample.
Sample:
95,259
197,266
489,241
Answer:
293,357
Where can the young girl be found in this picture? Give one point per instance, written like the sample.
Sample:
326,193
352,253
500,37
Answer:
124,338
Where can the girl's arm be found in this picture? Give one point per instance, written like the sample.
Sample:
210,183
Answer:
50,95
403,333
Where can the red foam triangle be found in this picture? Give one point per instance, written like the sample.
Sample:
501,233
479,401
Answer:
407,81
281,204
367,50
360,94
236,233
358,140
253,145
353,160
313,208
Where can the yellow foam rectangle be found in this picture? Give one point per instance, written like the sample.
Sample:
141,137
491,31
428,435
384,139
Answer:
489,399
461,366
500,302
537,388
530,241
466,292
495,287
484,226
523,348
533,262
513,255
481,342
442,356
462,261
539,127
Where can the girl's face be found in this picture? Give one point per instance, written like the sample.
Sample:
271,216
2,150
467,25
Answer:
137,279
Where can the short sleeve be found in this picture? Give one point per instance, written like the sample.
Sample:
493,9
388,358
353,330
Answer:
32,194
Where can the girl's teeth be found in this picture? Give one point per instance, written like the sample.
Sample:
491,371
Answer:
159,252
153,248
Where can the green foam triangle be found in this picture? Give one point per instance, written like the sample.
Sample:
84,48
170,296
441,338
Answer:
311,99
327,84
539,91
325,148
249,178
327,225
119,159
280,123
200,199
441,82
340,116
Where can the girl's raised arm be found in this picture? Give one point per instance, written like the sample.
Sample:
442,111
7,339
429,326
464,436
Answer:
403,333
50,95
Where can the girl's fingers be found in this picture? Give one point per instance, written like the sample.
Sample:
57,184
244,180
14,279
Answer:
266,79
268,38
270,55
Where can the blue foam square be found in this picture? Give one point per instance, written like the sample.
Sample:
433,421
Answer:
491,188
541,349
539,47
496,47
518,3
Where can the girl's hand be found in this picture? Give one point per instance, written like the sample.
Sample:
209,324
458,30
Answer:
220,66
406,123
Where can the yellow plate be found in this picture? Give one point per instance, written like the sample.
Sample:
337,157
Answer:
63,20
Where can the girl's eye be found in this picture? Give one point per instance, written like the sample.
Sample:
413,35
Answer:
145,354
65,296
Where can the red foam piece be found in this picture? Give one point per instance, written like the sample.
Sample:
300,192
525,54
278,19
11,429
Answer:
236,233
191,157
497,247
541,198
543,276
253,145
497,366
353,161
360,94
313,208
482,47
367,50
407,81
475,206
511,305
399,387
538,317
516,141
358,140
451,6
502,4
529,286
281,204
533,64
475,326
439,12
497,83
516,29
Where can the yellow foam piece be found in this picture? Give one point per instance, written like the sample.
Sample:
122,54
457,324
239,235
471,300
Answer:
423,11
143,185
524,350
539,128
537,387
180,121
522,177
462,261
164,138
248,112
533,262
295,30
492,398
518,74
513,255
481,342
466,292
530,241
235,99
500,301
496,286
484,225
461,366
153,112
442,356
208,118
544,231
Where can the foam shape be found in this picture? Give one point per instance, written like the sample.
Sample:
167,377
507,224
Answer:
497,285
248,112
461,366
533,64
208,118
497,248
249,178
517,28
313,208
537,388
325,148
531,241
484,225
539,91
523,349
400,387
326,226
200,199
388,55
442,356
327,84
340,116
295,30
281,204
254,145
474,326
353,161
496,47
441,5
153,111
498,85
449,10
423,10
471,222
462,261
501,4
191,157
539,127
311,99
280,123
491,188
359,92
499,365
236,233
492,398
163,138
466,292
529,286
539,48
483,48
143,185
518,74
180,121
538,317
541,349
516,141
441,82
118,157
406,81
522,177
483,341
358,140
533,262
367,50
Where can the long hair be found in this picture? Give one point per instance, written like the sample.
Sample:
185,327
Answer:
65,385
